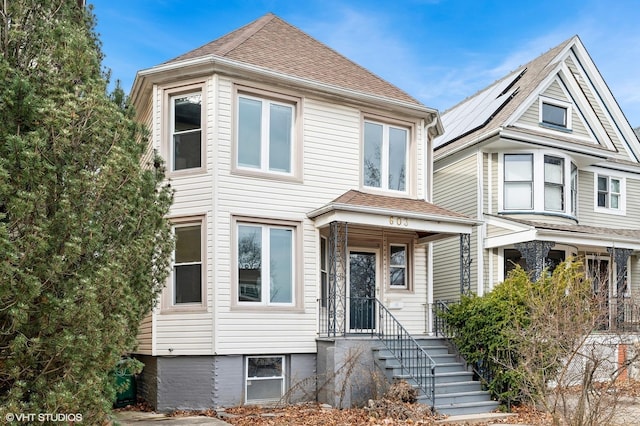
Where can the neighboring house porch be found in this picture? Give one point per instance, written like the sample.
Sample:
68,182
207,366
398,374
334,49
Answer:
609,255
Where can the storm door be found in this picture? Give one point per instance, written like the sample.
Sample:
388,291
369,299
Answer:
362,290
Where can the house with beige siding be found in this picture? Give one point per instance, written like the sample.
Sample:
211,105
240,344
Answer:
545,159
303,219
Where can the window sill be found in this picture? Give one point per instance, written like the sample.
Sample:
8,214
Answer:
266,308
615,212
260,174
187,309
186,172
555,127
538,213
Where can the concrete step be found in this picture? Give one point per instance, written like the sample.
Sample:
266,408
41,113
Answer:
466,408
440,378
456,387
458,397
448,367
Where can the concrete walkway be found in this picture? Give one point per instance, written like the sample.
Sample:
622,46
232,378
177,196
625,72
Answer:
139,418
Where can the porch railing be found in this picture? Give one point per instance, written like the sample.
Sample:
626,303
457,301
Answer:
369,316
620,314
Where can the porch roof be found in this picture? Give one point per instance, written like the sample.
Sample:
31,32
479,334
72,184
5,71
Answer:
577,235
429,220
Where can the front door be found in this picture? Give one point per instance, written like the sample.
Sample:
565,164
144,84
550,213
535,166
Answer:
362,290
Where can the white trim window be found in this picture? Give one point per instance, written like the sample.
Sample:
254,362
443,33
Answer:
187,271
553,183
398,258
186,131
518,181
555,114
385,156
266,264
538,182
609,194
264,378
265,135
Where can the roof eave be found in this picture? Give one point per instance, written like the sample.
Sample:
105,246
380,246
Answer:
211,63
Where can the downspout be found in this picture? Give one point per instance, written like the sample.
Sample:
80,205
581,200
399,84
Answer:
428,191
428,149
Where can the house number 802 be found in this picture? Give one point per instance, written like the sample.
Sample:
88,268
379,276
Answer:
400,221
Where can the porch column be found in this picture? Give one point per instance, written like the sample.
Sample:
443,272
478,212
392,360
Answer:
535,253
337,291
465,264
620,257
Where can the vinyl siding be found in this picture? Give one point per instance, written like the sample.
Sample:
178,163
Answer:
145,336
330,153
455,188
589,216
531,116
602,115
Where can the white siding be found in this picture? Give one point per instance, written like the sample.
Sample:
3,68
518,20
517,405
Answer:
144,336
331,140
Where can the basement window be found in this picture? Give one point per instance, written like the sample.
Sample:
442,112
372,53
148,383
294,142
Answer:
264,378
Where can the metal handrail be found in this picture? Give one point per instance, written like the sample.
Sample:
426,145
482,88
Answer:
369,316
414,360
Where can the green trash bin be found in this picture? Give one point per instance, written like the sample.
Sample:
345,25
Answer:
126,385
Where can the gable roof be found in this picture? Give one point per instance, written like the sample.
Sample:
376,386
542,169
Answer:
273,44
497,108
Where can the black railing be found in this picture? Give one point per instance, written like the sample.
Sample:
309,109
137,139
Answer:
368,316
619,314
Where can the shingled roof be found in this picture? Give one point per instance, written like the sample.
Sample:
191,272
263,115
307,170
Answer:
273,44
492,106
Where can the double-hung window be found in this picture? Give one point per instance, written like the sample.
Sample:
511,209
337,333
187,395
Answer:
385,156
186,131
609,193
187,264
518,181
265,135
265,256
553,183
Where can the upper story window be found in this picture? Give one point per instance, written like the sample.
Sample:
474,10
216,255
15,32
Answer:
186,131
555,113
609,195
518,181
538,182
265,135
385,156
553,183
574,189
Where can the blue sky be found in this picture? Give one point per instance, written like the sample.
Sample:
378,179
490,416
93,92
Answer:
439,51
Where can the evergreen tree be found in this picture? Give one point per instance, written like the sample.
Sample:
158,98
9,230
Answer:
84,243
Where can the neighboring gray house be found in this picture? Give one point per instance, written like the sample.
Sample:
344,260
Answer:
302,216
547,161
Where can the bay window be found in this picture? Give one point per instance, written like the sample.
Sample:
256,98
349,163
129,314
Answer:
518,181
187,271
186,131
539,182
